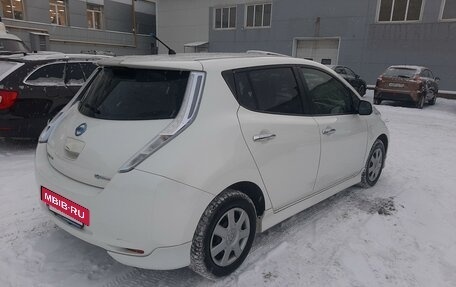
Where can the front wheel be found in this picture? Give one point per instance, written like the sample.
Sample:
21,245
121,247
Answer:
420,103
224,235
374,165
434,99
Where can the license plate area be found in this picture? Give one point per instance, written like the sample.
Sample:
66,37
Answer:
65,218
66,209
396,85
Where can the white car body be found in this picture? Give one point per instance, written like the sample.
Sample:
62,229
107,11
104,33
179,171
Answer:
155,207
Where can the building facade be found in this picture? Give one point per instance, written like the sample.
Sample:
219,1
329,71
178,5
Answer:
366,35
73,26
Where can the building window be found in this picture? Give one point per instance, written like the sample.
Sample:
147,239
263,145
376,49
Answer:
57,12
449,10
94,16
399,10
13,9
259,15
225,18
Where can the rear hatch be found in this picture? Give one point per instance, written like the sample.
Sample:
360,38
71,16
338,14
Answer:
118,113
399,79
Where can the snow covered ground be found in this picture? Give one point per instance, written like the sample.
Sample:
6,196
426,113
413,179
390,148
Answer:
402,232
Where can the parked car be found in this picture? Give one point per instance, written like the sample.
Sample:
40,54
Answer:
174,161
34,87
407,84
10,43
351,77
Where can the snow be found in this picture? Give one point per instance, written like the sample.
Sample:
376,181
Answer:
402,232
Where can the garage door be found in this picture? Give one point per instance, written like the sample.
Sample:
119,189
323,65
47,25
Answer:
324,51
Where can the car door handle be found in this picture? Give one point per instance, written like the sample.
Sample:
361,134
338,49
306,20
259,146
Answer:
263,137
329,131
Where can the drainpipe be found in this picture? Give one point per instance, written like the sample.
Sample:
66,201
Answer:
133,13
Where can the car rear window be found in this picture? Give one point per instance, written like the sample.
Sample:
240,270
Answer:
400,73
47,75
5,67
9,45
134,94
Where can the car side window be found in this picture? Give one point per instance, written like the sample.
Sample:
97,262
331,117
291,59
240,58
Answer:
48,75
428,74
327,94
350,72
74,75
88,68
273,90
340,70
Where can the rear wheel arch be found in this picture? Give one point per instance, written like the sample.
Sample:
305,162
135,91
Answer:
254,192
384,139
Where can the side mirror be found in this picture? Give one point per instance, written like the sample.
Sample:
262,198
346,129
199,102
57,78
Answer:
364,108
437,79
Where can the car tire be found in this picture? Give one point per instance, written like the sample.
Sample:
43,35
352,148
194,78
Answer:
374,165
377,102
362,90
220,230
420,103
434,99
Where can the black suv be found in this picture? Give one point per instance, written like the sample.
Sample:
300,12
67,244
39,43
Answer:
351,77
34,87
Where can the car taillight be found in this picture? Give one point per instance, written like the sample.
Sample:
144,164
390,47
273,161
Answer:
7,99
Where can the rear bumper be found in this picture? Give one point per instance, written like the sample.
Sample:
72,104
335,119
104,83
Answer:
136,210
394,95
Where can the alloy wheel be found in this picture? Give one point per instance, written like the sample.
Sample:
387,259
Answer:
375,165
230,237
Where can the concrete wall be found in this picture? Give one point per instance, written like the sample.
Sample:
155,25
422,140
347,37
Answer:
431,43
116,36
366,46
181,22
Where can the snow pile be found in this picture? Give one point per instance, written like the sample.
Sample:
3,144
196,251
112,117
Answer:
402,232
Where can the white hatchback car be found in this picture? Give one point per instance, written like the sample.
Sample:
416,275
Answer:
173,161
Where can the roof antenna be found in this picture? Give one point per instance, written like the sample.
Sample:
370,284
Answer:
170,51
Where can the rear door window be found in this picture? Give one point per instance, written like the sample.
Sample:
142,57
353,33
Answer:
134,94
74,75
427,74
48,75
272,90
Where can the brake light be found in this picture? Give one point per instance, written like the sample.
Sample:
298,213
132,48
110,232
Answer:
7,99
